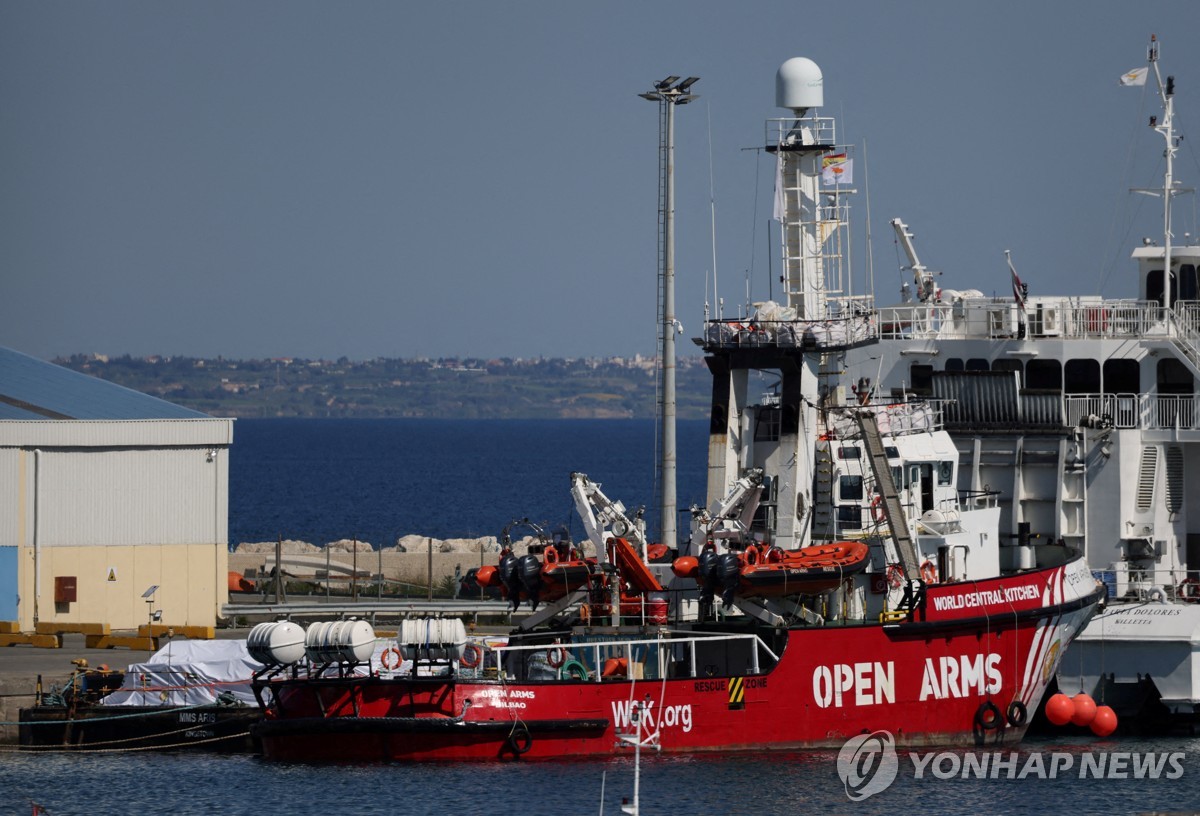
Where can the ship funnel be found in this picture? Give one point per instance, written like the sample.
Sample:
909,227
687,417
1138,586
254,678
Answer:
799,85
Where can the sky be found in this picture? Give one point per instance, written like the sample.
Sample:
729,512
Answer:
480,179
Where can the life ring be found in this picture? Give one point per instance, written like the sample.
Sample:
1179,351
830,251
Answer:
585,614
383,658
929,573
988,717
1096,319
878,511
895,576
519,739
471,656
555,657
573,670
751,555
1017,713
1189,590
550,555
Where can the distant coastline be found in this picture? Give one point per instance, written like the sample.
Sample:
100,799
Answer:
443,388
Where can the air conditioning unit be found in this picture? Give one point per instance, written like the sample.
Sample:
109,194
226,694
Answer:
1048,320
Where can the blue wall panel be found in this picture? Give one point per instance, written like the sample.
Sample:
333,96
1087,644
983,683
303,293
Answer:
8,583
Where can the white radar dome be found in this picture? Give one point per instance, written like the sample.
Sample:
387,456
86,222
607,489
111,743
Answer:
799,85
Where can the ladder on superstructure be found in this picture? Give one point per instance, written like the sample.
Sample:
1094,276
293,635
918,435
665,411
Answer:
893,511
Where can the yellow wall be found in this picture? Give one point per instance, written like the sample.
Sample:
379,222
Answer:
190,579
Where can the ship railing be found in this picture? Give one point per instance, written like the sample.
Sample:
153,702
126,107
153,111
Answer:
672,650
787,132
830,334
1072,318
1122,410
1149,585
1175,412
1148,412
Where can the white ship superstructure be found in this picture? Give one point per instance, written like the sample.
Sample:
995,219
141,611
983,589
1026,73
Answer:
1080,414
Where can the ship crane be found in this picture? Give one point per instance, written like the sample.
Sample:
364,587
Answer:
730,516
598,511
922,277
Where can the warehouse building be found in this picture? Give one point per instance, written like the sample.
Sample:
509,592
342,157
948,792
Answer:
113,504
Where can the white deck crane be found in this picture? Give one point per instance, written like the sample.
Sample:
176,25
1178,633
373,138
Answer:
922,277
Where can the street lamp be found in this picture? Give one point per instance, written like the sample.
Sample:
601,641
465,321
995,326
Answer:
668,93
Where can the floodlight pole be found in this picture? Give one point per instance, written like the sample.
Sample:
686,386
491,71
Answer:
668,94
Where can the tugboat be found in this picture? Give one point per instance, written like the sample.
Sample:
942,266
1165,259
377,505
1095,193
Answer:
837,582
1081,413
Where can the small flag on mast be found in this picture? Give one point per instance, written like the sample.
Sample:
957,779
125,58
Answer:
1135,77
837,169
1020,290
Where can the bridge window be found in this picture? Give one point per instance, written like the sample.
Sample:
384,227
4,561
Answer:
1043,375
1122,377
849,452
978,364
766,429
1189,282
954,364
1154,286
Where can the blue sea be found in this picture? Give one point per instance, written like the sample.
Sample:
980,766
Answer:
377,480
320,480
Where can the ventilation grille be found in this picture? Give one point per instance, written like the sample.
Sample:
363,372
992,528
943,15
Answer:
1174,479
1146,472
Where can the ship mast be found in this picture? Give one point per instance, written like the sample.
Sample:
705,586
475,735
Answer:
1167,94
1165,127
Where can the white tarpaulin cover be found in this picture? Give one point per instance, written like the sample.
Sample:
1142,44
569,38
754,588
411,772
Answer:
189,672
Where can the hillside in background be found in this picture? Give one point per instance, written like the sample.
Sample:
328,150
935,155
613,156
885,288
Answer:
446,388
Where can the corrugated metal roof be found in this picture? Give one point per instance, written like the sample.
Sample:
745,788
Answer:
34,389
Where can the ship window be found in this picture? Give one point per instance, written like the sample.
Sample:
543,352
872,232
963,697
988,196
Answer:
954,364
849,452
1122,377
921,375
1154,286
1189,282
849,516
1043,375
850,488
1174,378
1082,377
891,452
945,472
1010,365
766,429
898,477
977,364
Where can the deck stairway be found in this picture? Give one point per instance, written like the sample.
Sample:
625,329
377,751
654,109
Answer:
893,511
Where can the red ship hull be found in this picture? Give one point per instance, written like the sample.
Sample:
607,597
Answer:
970,668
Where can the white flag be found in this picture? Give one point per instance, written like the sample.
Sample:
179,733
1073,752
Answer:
1135,77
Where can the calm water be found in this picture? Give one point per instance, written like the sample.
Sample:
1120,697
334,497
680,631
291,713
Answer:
759,784
320,480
